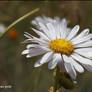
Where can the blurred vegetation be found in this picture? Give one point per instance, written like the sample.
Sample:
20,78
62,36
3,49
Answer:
18,71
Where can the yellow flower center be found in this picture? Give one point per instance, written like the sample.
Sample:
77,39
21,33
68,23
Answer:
61,46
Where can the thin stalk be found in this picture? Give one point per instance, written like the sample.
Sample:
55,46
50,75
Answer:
20,19
55,83
57,86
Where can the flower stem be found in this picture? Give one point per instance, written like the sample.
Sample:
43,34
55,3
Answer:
20,19
57,75
62,79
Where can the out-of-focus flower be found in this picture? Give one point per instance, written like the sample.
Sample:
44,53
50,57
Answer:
2,28
51,89
60,45
13,34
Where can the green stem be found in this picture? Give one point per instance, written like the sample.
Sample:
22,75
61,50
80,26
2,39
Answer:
57,75
20,19
62,79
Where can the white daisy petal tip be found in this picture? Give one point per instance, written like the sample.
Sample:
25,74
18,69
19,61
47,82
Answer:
28,56
73,32
28,46
25,52
37,64
78,27
52,64
65,20
81,71
87,29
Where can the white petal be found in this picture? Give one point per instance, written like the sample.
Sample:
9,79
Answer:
45,30
57,25
43,46
73,32
85,54
41,34
82,34
83,39
37,64
82,59
77,66
34,39
84,49
60,62
51,30
35,52
57,29
69,67
85,44
56,18
32,46
62,33
52,64
38,40
47,20
46,57
37,19
64,22
25,52
63,28
66,58
88,67
68,30
29,36
27,41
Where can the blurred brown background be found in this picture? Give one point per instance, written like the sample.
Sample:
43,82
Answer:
19,72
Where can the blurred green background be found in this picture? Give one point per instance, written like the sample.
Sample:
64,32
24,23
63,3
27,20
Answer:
15,69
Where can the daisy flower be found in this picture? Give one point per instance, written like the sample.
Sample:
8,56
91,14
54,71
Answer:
60,45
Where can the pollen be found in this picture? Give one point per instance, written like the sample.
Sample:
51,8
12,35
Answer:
61,46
